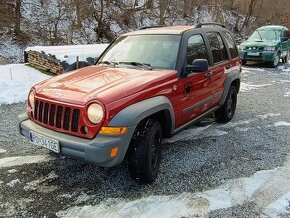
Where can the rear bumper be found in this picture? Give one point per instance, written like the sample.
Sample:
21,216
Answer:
97,150
266,56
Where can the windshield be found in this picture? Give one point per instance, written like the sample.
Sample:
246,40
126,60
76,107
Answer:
156,51
265,35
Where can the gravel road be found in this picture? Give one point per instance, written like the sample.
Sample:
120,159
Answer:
201,166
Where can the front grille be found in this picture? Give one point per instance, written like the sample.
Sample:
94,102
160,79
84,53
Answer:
255,48
57,116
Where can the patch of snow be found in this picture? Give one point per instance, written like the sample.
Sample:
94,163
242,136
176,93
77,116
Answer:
241,129
13,183
1,182
282,123
12,171
278,207
248,86
37,184
284,81
238,123
21,160
266,116
16,81
287,94
84,198
287,69
263,188
196,133
250,70
2,150
69,53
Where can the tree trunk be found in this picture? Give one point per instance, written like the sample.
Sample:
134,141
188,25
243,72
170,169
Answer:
162,9
17,29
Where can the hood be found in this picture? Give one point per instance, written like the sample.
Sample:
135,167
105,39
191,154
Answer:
259,43
104,84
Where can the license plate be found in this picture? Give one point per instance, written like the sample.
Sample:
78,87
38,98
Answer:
253,53
45,142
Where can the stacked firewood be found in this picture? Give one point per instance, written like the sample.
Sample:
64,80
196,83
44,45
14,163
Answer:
44,62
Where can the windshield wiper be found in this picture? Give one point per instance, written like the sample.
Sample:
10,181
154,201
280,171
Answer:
137,64
108,63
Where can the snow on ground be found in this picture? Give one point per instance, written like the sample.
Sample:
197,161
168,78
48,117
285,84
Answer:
249,86
284,69
12,171
287,94
70,53
266,116
2,151
13,183
39,186
16,81
21,160
282,123
260,189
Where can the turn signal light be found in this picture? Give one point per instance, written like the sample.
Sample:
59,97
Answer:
113,130
114,152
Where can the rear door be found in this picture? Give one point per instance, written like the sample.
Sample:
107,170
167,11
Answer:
221,63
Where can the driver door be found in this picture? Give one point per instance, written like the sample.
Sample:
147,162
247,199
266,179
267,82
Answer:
193,90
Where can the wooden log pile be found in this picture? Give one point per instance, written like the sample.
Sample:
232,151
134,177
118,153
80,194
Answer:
44,62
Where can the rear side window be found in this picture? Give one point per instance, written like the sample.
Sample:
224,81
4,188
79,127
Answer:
218,49
286,34
231,44
196,49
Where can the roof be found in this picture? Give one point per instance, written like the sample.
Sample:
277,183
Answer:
174,30
272,27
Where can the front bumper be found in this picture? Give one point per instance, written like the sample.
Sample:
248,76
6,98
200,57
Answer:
266,56
97,150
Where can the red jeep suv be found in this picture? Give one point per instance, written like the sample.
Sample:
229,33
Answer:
147,85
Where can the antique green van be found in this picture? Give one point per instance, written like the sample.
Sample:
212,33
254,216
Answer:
267,44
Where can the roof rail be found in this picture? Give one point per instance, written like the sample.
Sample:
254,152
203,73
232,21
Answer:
210,24
149,27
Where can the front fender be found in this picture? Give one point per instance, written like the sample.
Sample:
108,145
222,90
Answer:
133,114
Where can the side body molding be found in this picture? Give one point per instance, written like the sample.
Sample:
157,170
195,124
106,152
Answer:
135,113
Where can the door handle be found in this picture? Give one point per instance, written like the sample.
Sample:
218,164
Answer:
208,75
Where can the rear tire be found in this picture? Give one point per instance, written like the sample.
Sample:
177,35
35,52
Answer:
227,111
144,155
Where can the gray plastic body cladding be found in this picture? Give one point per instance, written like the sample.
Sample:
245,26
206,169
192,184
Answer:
96,151
133,114
232,76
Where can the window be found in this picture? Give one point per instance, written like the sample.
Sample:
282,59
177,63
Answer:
231,44
286,34
218,49
196,49
157,51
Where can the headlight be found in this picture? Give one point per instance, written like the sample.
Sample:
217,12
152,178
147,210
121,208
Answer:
31,98
95,113
270,48
241,48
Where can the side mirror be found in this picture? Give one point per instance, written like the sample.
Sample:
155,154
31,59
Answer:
198,65
284,39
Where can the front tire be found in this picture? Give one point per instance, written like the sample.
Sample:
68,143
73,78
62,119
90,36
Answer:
276,60
227,111
144,155
286,58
